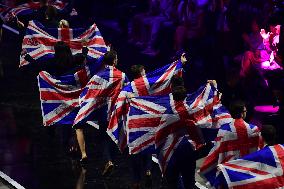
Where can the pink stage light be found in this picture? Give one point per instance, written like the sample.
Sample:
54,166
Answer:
266,108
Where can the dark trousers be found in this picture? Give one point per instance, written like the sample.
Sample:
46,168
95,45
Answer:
109,147
182,164
140,163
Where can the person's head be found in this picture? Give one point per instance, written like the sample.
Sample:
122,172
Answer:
179,93
63,53
110,58
51,13
238,109
63,24
80,59
268,133
177,81
137,71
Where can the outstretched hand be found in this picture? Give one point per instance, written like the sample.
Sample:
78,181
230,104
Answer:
264,35
183,58
24,52
213,82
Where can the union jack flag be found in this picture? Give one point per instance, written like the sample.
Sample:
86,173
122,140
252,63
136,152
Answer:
262,170
154,83
173,121
59,96
30,7
102,90
3,12
234,140
39,41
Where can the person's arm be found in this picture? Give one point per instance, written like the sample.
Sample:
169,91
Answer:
30,59
34,65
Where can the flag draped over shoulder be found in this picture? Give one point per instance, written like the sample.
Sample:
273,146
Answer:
154,83
39,41
159,123
234,140
262,169
102,90
28,8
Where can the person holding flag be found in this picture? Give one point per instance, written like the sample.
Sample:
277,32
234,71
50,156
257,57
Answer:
262,169
234,140
96,104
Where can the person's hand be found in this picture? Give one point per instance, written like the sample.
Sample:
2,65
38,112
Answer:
183,58
213,82
264,35
129,95
84,42
24,52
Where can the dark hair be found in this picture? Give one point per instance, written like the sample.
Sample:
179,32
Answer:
109,57
136,70
63,54
236,109
268,133
179,93
177,81
79,59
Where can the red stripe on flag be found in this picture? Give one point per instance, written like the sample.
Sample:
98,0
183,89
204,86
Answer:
47,95
141,86
246,169
147,122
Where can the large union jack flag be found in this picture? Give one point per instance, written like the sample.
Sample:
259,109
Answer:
59,96
39,41
262,170
162,124
30,7
154,83
234,140
102,90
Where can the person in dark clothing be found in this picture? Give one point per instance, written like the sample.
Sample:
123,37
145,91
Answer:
183,162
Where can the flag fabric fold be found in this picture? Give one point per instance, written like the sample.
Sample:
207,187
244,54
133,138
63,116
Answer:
153,83
158,124
102,90
262,169
59,95
234,140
